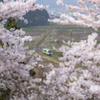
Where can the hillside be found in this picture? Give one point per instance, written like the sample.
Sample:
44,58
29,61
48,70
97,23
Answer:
35,18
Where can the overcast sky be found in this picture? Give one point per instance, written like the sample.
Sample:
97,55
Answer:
52,3
54,6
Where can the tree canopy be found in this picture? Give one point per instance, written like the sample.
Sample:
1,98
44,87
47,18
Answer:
12,23
37,17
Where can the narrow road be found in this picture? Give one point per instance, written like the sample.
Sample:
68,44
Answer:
42,39
39,51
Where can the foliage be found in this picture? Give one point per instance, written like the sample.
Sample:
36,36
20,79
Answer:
32,72
12,23
5,94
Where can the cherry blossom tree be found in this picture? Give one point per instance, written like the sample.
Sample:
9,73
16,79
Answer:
78,77
16,61
86,16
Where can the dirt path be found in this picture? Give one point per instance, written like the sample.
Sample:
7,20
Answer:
39,50
43,38
49,58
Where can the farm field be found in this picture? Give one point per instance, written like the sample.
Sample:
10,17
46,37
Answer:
52,36
37,33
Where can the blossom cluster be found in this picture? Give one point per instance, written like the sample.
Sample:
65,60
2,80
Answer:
16,9
16,60
83,15
77,77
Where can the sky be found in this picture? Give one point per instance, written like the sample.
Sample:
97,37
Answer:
54,7
52,3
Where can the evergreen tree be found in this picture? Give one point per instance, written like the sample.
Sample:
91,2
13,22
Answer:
12,23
